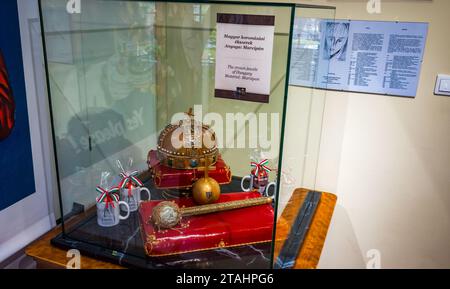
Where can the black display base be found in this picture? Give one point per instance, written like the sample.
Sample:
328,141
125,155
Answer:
123,244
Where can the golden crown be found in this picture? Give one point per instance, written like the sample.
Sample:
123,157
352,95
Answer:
183,145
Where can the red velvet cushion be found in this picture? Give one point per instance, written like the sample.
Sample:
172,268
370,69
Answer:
217,230
166,177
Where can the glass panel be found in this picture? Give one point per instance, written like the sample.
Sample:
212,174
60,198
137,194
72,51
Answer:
303,130
69,104
122,75
119,73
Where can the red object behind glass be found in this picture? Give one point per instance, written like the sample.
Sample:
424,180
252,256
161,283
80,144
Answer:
170,178
233,228
7,105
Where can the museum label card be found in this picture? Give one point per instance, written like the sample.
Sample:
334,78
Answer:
362,56
244,49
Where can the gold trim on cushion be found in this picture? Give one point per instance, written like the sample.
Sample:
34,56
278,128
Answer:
158,178
220,245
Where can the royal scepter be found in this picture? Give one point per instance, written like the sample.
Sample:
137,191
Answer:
167,215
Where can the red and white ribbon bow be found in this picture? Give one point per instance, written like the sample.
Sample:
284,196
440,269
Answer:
262,165
128,180
108,196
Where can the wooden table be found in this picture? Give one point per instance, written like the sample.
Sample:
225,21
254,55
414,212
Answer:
309,255
48,256
51,257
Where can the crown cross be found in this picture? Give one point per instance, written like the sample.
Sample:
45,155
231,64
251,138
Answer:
190,112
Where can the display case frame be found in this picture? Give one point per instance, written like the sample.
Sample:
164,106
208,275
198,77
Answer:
110,254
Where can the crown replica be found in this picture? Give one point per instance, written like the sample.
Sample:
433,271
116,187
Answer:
181,156
192,152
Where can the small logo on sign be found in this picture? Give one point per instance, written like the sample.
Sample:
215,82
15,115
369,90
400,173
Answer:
73,6
241,91
374,6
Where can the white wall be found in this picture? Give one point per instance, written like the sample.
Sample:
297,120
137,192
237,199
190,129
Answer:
387,158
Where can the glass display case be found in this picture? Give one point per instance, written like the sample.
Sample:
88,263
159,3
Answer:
299,193
170,121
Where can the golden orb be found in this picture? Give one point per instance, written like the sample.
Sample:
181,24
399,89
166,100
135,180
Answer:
206,191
